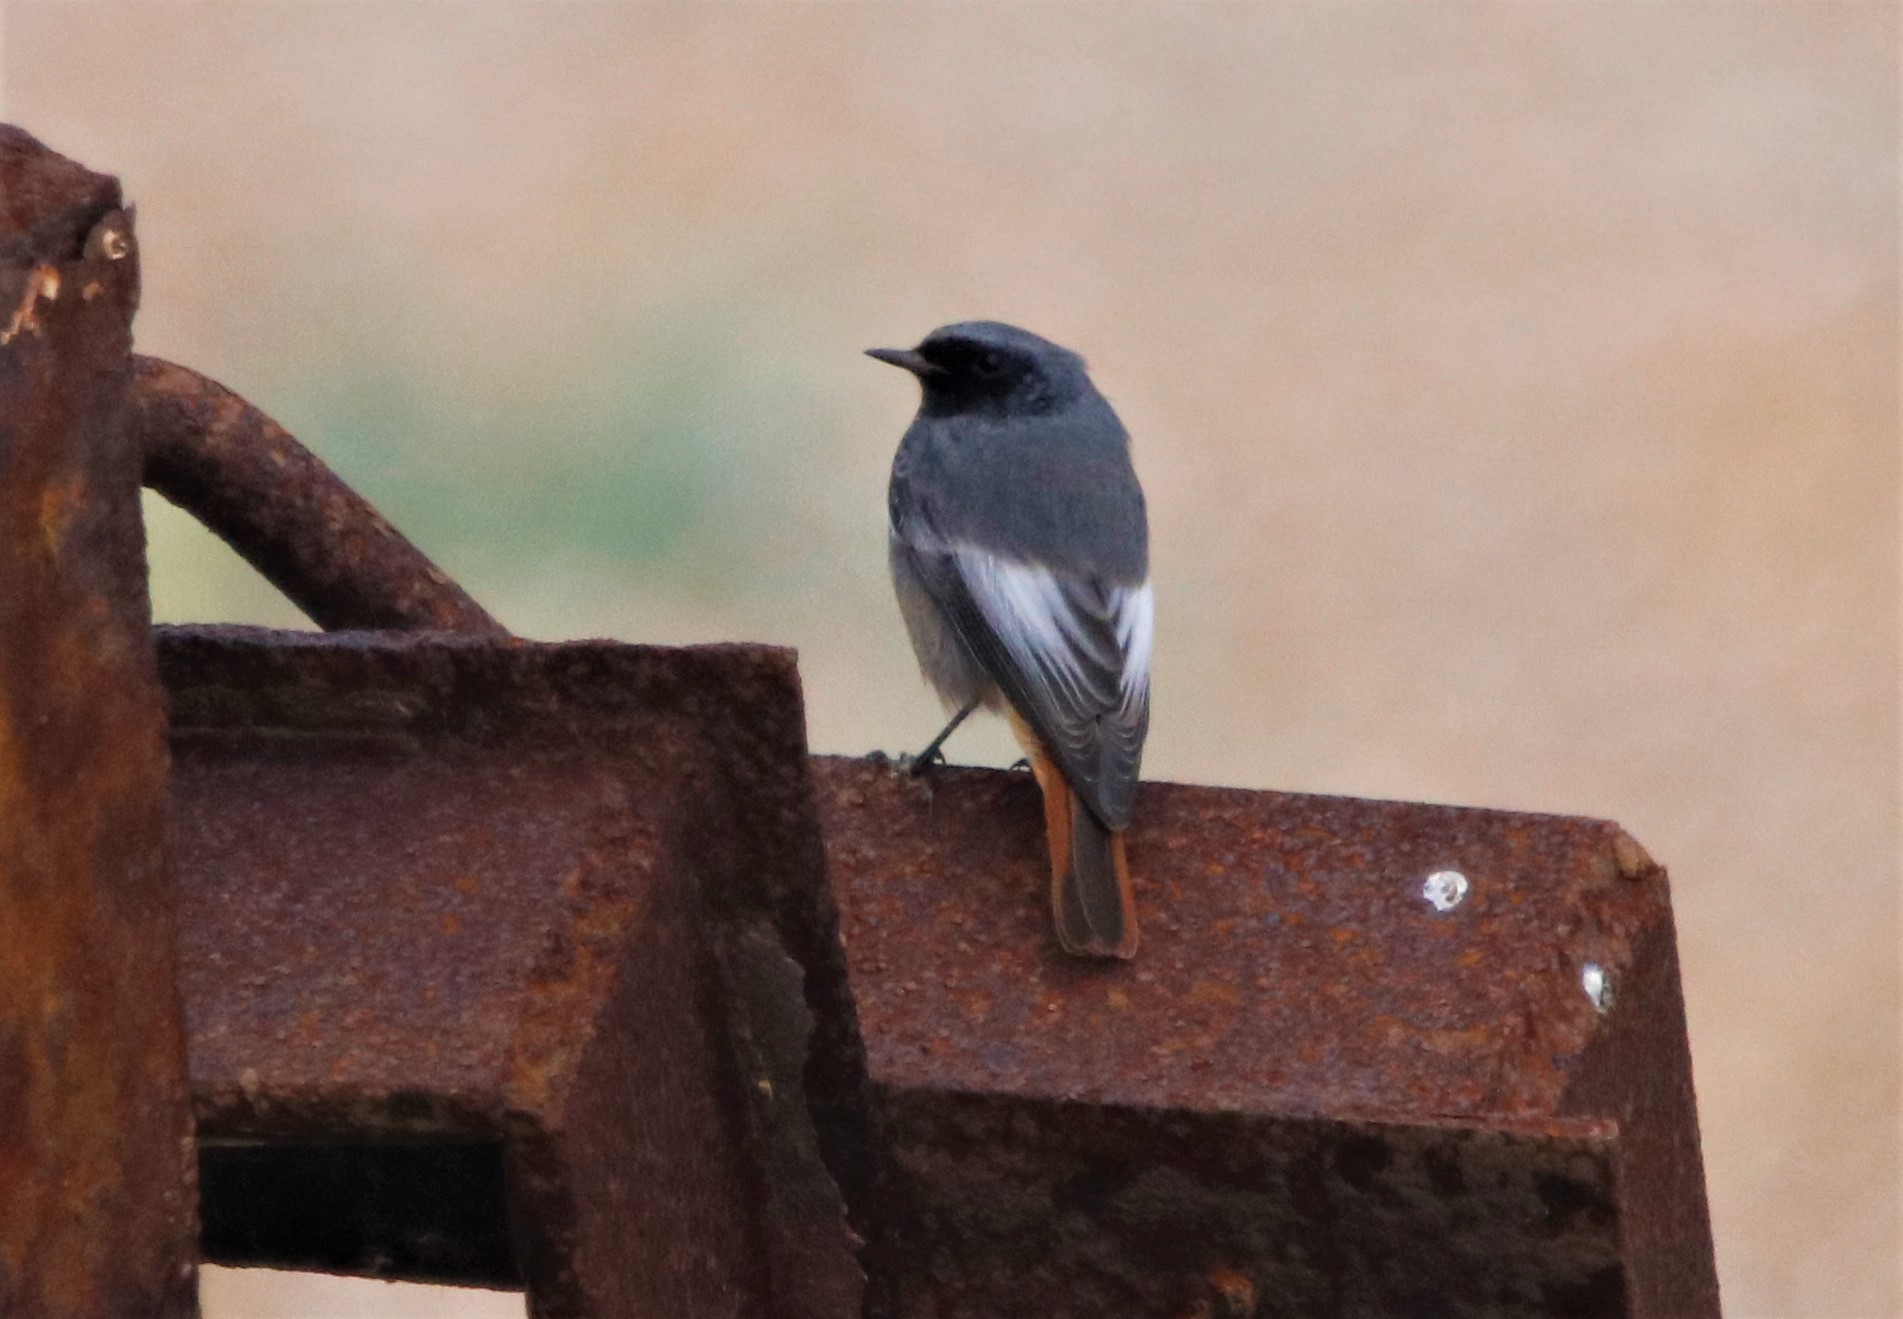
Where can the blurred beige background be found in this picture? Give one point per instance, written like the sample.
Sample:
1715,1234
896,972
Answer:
1515,387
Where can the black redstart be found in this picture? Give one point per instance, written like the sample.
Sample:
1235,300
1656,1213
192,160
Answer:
1020,553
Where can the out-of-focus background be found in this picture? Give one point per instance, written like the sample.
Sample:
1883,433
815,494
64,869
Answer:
1515,388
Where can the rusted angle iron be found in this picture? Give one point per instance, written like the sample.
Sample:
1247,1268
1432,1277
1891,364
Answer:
541,928
1375,1058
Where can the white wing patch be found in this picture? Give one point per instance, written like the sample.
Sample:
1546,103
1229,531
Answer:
1030,601
1134,610
1040,621
1075,661
1028,609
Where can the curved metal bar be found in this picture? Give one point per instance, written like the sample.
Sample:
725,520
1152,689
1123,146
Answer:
292,518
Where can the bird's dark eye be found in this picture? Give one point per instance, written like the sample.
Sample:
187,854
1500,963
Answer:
989,365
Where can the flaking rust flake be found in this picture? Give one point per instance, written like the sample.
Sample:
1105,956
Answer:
43,282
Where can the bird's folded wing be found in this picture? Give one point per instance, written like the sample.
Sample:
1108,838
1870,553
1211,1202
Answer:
1072,656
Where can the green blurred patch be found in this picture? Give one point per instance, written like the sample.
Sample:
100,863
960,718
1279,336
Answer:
665,453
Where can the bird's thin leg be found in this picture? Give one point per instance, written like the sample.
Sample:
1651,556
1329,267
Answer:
924,758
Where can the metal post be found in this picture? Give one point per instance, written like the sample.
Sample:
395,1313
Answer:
97,1194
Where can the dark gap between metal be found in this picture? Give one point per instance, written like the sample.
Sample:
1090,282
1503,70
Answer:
432,1212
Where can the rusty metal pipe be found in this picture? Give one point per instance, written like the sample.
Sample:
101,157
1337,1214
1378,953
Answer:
276,503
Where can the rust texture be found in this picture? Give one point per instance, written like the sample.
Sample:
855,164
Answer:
567,900
96,1162
1314,1093
277,504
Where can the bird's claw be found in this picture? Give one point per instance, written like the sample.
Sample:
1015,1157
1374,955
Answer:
918,766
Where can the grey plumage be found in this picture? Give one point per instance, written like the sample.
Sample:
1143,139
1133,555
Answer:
1019,548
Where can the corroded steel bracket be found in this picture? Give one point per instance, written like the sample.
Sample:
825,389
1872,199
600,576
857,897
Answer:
96,1166
1375,1058
534,919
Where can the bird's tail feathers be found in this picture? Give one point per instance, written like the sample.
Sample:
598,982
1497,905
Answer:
1091,898
1092,901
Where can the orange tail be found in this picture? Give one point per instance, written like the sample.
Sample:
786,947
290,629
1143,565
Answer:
1092,902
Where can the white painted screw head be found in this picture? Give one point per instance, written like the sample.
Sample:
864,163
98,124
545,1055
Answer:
1598,986
1445,889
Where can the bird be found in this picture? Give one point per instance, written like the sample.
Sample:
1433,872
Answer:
1019,551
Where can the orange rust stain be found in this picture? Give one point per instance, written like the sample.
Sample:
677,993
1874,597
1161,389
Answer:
451,923
1235,1290
43,282
1472,1040
1215,991
605,921
59,502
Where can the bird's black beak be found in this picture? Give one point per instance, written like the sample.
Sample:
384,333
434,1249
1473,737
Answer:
909,358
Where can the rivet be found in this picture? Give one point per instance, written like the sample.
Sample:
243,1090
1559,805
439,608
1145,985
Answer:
1445,889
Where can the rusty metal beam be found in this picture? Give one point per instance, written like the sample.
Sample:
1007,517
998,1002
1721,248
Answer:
568,900
96,1166
1375,1058
277,504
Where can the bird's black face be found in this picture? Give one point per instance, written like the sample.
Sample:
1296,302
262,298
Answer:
977,372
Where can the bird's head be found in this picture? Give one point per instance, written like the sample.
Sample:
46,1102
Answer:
989,367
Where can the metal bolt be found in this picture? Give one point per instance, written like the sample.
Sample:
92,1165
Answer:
1445,889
